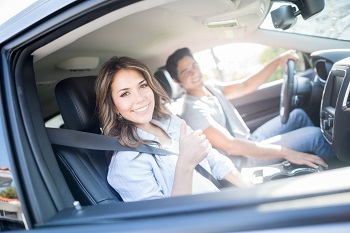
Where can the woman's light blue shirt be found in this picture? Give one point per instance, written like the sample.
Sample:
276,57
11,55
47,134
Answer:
151,177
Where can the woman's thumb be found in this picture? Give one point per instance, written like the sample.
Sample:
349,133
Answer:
183,129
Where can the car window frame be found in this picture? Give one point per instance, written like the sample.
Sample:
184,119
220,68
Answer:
29,131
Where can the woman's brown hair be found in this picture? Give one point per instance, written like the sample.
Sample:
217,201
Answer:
123,129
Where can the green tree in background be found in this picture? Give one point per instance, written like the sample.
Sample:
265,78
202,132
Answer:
271,53
9,192
220,67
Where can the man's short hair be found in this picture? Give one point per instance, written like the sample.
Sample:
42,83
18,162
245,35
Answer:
173,59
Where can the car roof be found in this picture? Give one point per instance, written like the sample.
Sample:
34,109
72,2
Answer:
147,30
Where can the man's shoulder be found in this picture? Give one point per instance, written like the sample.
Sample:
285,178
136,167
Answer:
194,103
214,86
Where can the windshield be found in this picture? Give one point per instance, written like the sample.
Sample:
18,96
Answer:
333,22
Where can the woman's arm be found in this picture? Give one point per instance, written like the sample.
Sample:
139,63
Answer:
194,147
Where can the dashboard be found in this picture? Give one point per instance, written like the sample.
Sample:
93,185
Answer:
335,109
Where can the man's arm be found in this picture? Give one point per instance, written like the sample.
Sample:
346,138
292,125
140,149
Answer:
237,89
220,138
237,179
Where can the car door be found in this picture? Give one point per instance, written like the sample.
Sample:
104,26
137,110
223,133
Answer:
46,200
260,106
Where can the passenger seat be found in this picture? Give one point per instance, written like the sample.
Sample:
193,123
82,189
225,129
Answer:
174,90
84,170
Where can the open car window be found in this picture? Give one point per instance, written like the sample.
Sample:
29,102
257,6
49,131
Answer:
332,22
240,60
63,188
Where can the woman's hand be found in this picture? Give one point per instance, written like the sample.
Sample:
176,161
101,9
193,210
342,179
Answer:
193,147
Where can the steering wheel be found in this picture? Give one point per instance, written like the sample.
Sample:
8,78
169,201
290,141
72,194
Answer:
287,92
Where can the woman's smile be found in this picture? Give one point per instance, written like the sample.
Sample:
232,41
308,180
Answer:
142,109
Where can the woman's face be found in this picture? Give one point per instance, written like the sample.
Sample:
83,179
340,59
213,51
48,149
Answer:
132,97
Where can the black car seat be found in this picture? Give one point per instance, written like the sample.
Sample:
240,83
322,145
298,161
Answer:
84,170
174,90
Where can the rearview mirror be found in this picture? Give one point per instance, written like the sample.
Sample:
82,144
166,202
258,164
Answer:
286,16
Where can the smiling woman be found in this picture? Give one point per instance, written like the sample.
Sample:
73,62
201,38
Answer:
131,107
132,98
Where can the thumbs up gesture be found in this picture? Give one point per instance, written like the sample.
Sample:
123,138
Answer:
193,147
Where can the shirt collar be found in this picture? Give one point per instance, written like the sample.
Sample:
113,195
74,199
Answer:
164,124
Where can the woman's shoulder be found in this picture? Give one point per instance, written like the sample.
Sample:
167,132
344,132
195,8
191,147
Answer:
168,123
175,120
129,155
126,159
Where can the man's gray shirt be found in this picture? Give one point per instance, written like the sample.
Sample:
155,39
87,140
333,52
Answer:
202,112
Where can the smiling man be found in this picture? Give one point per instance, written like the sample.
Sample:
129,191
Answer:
206,107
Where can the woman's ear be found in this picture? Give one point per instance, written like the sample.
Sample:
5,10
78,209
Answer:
115,110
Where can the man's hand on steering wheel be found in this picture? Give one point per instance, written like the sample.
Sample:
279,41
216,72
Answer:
287,55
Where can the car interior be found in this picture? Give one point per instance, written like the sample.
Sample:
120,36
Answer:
85,170
55,72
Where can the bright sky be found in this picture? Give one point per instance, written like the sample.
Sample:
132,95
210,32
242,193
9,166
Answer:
9,8
238,59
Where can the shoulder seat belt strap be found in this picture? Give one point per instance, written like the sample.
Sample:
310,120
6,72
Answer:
86,140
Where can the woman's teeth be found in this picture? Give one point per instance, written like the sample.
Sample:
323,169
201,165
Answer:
141,109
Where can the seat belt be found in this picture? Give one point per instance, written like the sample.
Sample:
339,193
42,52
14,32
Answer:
86,140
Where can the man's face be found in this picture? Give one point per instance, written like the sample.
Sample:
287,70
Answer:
189,74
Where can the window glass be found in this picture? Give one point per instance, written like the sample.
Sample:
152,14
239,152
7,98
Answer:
239,60
332,22
11,215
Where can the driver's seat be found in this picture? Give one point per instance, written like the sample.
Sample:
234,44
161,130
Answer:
84,170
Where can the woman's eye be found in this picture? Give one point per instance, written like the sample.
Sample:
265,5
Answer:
144,85
124,94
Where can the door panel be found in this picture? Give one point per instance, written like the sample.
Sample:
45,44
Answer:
260,106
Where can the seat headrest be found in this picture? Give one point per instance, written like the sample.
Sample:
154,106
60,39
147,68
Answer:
76,100
161,77
173,89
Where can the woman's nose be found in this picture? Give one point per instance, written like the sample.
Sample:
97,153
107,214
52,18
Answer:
139,97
